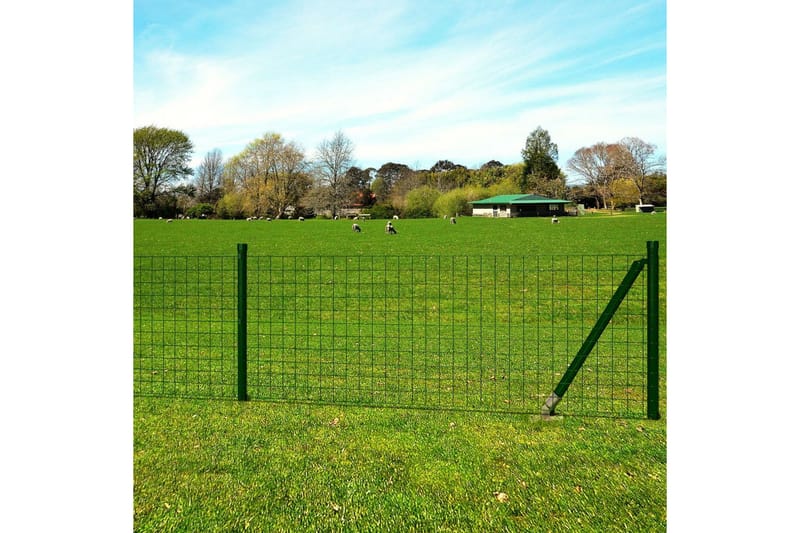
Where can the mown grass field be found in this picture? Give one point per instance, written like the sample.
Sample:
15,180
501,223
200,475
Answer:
202,465
590,234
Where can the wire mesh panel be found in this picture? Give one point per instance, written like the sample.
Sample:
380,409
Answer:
437,332
446,332
184,326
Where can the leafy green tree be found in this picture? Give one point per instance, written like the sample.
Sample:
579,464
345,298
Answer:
406,183
583,194
539,157
200,210
488,174
479,193
360,181
387,177
382,211
419,202
380,189
443,165
656,191
452,203
446,175
513,176
270,175
160,158
185,195
506,186
230,206
624,193
550,188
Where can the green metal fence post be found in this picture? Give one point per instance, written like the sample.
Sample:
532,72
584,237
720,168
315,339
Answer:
652,330
241,315
549,407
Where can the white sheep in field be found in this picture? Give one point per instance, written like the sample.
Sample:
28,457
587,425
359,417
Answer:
395,217
452,220
169,220
356,228
301,219
554,220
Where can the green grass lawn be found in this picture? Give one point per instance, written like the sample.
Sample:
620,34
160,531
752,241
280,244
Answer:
591,234
211,465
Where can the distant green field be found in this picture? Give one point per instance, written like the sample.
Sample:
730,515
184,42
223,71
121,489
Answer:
590,234
215,465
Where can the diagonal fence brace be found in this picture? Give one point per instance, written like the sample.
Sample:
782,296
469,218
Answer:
549,407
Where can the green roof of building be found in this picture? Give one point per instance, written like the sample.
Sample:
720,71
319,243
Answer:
518,199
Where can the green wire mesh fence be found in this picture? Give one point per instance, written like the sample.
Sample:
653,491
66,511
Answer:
184,326
429,332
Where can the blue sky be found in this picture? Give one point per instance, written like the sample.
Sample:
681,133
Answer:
407,81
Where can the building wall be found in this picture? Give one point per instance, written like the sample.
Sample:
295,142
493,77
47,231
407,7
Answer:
541,210
523,210
509,211
497,211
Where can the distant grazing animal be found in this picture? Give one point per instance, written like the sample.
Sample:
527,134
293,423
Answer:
356,228
395,217
452,220
301,219
169,220
390,229
554,220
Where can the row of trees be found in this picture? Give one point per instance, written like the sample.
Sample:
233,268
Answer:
618,171
273,177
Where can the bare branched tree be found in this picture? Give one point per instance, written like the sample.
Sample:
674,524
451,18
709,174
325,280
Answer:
641,162
594,164
208,177
334,158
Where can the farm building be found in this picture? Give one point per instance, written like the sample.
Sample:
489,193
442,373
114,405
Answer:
518,205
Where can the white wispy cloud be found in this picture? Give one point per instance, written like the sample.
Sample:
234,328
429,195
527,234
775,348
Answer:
409,82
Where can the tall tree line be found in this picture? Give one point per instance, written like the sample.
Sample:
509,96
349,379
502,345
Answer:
272,177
